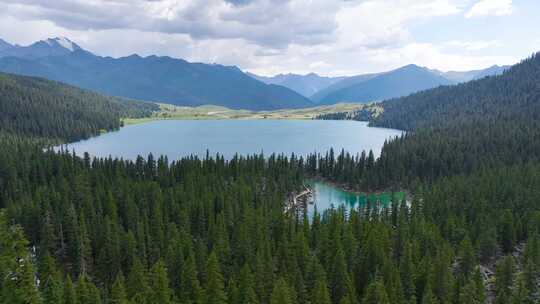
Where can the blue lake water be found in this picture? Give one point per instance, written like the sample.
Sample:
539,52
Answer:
178,138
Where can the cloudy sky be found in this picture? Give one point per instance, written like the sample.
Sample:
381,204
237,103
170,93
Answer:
330,37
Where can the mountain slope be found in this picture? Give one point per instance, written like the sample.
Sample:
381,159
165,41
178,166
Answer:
154,78
307,85
399,82
41,108
342,84
4,45
464,76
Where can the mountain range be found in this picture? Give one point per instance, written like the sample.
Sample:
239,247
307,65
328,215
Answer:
152,78
399,82
307,85
377,86
179,82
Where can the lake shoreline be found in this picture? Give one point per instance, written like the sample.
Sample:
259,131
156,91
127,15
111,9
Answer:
345,187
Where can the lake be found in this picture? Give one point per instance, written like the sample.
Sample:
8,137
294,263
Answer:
179,138
326,195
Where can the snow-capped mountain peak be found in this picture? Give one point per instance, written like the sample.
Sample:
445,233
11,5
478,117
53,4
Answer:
63,42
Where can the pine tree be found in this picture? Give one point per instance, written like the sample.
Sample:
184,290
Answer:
16,268
520,294
339,276
137,284
70,295
118,291
504,277
246,291
191,292
52,290
407,270
473,292
428,297
376,293
87,292
160,291
282,293
467,259
508,232
214,287
320,293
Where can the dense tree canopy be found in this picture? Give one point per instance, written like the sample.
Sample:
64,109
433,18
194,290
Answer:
41,108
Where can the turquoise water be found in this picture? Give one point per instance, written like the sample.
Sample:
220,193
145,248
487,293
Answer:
178,138
326,195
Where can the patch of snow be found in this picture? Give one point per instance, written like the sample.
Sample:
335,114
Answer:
65,43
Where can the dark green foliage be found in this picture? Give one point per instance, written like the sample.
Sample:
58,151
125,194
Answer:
375,294
17,282
118,291
40,108
505,278
282,293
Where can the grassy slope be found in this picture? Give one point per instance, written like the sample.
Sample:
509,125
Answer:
169,112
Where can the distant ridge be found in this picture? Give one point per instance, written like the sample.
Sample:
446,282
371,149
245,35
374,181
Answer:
396,83
153,78
465,76
306,85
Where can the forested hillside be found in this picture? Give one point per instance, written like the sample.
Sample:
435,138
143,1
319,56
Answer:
41,108
513,95
210,231
459,129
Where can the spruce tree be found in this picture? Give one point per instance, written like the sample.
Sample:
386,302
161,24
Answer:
70,295
376,293
137,286
118,291
246,291
320,293
282,293
160,291
214,287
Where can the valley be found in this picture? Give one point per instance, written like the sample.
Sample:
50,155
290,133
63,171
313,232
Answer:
171,112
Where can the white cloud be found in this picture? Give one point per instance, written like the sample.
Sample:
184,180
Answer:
274,23
472,45
490,8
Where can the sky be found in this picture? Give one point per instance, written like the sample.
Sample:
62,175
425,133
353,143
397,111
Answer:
267,37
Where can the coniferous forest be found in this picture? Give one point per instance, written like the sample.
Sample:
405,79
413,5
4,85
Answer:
210,231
